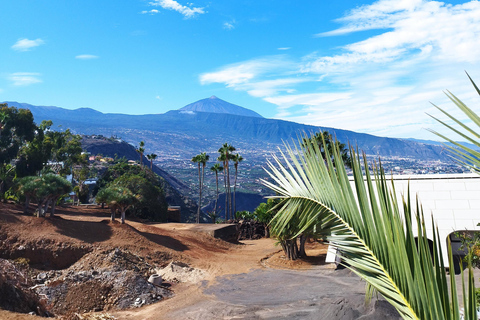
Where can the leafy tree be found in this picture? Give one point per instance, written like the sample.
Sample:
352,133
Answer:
225,157
34,155
151,157
216,168
7,174
57,187
265,212
150,202
146,185
106,195
44,190
117,198
236,158
200,159
17,128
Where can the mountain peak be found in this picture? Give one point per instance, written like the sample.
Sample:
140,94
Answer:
217,105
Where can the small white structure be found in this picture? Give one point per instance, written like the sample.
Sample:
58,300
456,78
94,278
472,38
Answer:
452,199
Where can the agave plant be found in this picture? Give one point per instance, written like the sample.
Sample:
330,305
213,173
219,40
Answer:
376,239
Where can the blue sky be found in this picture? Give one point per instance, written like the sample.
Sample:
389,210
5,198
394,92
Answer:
366,66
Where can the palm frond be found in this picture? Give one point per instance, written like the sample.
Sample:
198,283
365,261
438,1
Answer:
464,155
364,221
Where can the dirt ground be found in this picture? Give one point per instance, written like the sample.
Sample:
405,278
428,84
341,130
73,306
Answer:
75,255
82,238
72,239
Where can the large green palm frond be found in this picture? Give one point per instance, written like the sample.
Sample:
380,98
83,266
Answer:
376,240
463,154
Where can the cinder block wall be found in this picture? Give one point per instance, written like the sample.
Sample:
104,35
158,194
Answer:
452,199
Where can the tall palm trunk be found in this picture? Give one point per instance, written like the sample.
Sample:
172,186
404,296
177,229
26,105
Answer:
235,189
200,193
229,192
216,200
226,190
201,187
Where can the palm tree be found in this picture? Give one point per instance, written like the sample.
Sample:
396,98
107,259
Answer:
201,159
216,168
225,156
325,138
236,158
141,150
151,157
364,222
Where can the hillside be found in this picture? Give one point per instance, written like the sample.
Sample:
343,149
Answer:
177,135
175,190
187,130
244,202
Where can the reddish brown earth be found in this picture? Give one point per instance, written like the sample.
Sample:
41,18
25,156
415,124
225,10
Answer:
80,238
83,238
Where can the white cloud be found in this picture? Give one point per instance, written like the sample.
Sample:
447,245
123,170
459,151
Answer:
187,12
243,72
284,48
86,57
229,25
381,84
153,11
26,44
24,78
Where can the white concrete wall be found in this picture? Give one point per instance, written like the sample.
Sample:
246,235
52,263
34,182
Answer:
452,199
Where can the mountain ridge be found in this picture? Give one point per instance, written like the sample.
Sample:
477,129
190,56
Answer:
217,105
201,126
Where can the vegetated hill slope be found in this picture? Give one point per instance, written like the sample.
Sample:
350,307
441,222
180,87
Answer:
175,190
216,105
186,133
244,202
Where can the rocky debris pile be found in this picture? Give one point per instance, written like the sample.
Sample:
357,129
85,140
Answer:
114,260
250,230
177,271
15,292
101,280
92,316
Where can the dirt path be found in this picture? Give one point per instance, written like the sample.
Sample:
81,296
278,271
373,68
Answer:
253,281
240,260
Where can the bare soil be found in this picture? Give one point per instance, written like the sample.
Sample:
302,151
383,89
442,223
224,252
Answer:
67,256
86,267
